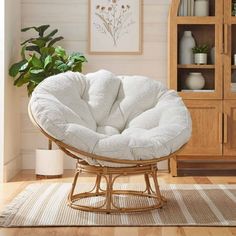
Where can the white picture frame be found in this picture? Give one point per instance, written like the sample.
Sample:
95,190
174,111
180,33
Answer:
115,27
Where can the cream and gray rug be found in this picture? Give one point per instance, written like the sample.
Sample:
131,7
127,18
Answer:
188,205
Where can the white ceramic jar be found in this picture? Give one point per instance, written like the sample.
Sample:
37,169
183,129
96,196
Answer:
195,81
187,42
201,8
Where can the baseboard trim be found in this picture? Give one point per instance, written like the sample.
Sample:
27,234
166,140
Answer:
206,172
12,168
207,168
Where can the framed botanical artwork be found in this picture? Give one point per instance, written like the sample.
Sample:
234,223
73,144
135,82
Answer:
115,26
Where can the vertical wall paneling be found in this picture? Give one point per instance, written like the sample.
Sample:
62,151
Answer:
11,145
1,88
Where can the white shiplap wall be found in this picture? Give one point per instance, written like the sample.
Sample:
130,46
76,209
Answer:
11,146
71,18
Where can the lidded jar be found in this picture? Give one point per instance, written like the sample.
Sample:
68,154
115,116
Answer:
201,8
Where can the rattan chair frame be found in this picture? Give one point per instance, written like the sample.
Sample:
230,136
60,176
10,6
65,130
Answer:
147,168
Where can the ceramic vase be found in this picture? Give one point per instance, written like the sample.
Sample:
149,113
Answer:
187,42
201,8
195,81
200,58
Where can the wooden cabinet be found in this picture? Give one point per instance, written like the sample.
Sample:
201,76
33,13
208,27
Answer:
213,109
206,128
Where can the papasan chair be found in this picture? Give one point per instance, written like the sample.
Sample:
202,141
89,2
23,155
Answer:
114,126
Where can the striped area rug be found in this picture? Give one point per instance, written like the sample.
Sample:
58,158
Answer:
188,205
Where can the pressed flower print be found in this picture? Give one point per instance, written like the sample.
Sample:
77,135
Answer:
115,25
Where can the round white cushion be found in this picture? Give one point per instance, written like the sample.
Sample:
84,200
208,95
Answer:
123,117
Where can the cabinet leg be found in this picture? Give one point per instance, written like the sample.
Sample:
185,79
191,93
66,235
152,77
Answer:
173,166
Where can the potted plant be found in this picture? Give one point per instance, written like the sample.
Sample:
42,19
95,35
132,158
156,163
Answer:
234,8
40,58
200,54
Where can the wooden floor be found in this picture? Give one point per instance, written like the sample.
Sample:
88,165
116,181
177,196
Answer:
9,190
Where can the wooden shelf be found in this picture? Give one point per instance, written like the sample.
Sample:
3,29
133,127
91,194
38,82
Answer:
197,91
197,95
193,66
196,20
233,67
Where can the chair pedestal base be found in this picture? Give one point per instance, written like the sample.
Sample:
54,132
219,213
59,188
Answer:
151,194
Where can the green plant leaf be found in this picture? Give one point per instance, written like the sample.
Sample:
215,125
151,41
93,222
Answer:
39,42
42,29
47,50
76,56
28,28
28,41
24,67
53,41
23,52
36,71
201,49
36,62
63,67
30,87
33,48
22,79
37,78
47,61
77,67
51,34
15,68
70,63
58,62
60,51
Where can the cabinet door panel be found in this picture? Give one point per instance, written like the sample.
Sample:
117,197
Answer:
207,128
229,50
230,128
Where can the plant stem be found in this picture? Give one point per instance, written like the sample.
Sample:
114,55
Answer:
49,144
